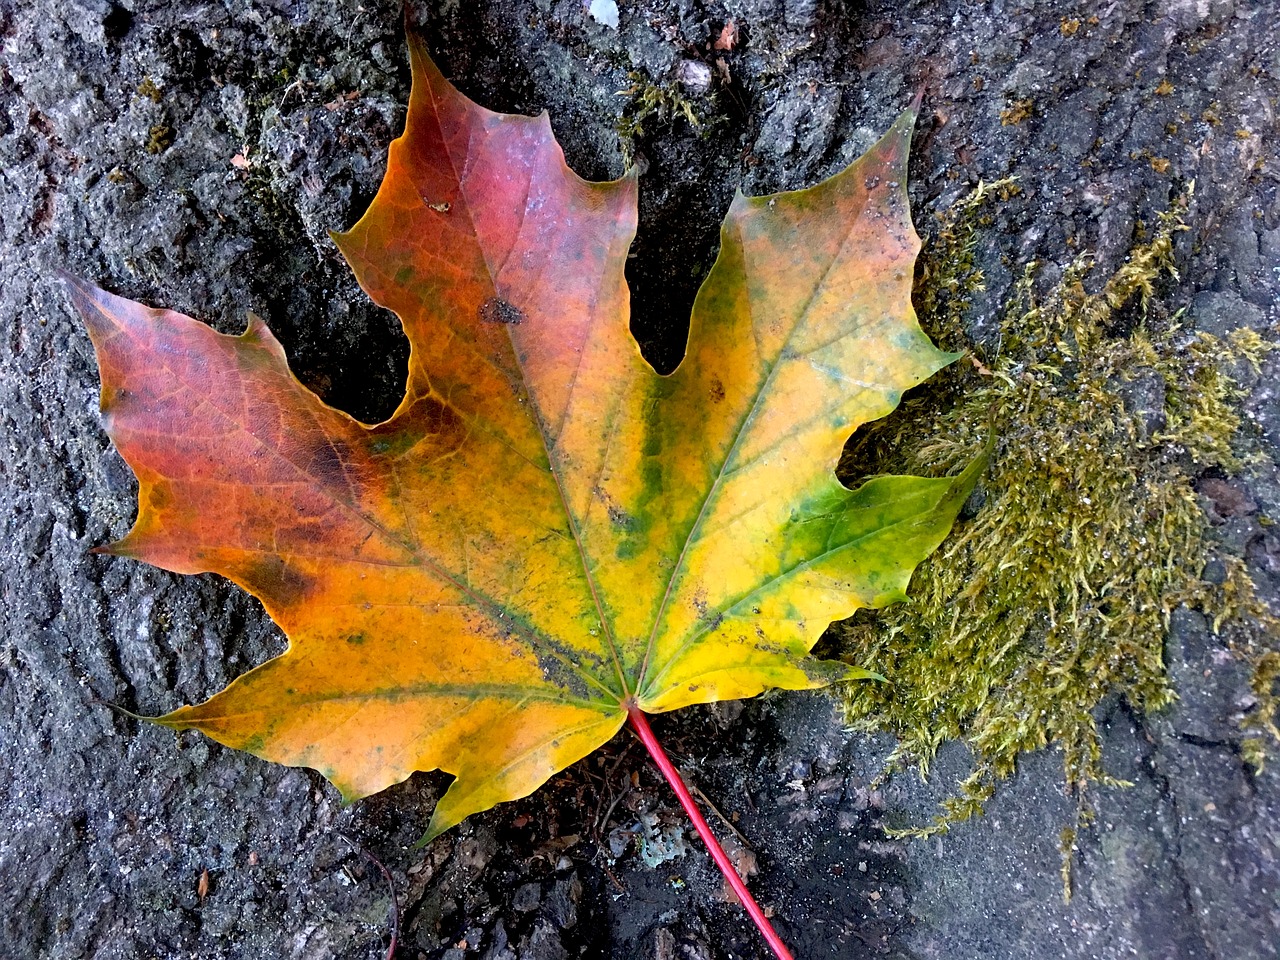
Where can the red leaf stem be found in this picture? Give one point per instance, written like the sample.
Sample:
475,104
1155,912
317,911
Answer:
645,732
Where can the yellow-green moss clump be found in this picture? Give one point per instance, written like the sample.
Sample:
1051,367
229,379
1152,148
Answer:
661,103
1057,592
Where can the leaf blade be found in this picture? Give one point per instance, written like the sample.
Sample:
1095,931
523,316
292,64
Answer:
876,536
324,601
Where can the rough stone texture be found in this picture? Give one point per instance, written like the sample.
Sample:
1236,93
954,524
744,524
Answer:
194,155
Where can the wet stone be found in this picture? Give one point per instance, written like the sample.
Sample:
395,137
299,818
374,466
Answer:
562,903
543,943
527,897
280,118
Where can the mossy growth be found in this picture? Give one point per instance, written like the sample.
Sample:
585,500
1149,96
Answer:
650,102
148,88
1016,112
1056,593
159,138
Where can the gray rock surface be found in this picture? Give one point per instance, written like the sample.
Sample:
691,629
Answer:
194,155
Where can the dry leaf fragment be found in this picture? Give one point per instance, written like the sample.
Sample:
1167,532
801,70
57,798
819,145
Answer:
728,38
341,100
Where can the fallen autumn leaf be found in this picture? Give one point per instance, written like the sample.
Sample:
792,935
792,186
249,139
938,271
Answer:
547,537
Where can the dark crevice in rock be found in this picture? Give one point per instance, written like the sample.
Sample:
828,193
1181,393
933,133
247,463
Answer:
1173,837
1207,742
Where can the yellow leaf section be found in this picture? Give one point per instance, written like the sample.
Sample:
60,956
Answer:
848,551
812,298
506,270
803,330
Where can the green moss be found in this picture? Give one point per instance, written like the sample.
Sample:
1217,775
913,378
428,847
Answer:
1264,683
650,102
1253,632
1057,593
147,88
160,138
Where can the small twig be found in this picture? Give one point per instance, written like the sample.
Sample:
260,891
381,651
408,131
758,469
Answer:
616,882
604,821
391,888
723,819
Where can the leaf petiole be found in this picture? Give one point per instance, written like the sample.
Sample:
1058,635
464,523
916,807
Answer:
641,725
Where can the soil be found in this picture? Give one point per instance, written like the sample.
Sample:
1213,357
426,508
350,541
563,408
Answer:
195,155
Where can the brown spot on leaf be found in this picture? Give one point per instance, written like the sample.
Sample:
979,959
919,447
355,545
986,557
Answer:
159,494
717,390
270,579
497,310
711,618
620,517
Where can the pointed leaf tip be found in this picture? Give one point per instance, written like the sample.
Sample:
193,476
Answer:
861,673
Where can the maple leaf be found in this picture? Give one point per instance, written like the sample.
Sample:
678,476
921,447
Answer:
547,536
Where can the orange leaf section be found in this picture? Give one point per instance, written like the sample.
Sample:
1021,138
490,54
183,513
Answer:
546,532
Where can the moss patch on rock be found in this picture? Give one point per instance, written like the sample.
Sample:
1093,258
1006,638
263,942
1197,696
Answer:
649,101
1056,592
